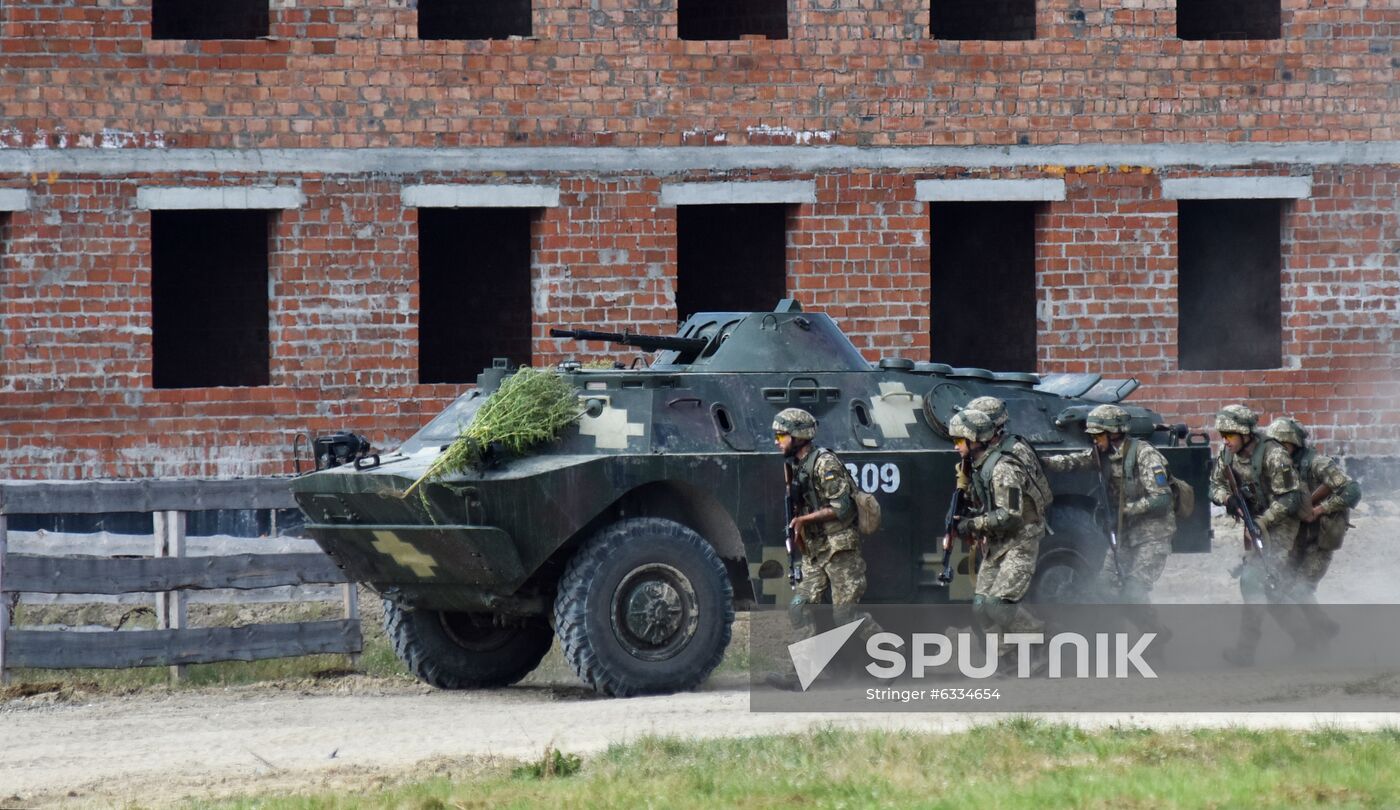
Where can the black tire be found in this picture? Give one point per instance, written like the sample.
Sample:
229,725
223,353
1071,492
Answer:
1068,566
464,650
644,607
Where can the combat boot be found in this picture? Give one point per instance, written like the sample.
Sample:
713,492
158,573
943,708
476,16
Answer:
1239,656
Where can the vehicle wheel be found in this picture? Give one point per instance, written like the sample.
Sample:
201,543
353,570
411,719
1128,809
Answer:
1069,561
464,650
644,607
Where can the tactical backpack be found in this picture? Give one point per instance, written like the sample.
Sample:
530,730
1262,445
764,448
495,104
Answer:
867,507
1183,494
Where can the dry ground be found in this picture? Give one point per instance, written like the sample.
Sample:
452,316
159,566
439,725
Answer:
157,747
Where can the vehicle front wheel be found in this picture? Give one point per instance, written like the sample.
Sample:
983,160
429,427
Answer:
465,650
644,607
1068,566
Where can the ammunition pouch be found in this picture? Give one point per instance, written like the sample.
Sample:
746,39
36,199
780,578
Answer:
1331,529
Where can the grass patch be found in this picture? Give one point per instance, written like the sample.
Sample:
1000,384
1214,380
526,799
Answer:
1019,763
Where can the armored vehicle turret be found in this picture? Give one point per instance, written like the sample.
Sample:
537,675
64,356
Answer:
657,514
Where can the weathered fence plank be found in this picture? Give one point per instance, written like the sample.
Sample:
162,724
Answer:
146,648
105,575
4,601
107,544
149,495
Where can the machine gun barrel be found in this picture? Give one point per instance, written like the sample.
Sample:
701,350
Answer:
649,343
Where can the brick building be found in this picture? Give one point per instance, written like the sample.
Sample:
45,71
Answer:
266,216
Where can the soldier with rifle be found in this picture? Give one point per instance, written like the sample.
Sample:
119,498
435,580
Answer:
1136,492
1008,525
1009,442
1254,479
821,537
1329,494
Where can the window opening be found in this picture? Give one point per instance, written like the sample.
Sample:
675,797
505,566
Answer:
210,19
732,19
209,321
477,19
983,262
982,19
1229,284
473,291
730,258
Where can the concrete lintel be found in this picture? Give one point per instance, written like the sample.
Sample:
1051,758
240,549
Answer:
1046,190
739,193
1237,188
513,195
14,199
157,198
670,160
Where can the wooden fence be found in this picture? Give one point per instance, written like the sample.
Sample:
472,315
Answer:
169,574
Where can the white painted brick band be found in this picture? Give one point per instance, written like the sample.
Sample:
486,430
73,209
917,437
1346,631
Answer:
480,196
1237,188
1048,190
14,199
758,192
218,198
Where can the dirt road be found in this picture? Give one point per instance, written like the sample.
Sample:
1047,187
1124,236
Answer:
158,747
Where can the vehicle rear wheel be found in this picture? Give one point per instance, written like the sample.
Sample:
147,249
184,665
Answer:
464,650
1068,567
644,607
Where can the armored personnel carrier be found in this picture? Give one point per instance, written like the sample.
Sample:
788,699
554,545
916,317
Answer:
659,512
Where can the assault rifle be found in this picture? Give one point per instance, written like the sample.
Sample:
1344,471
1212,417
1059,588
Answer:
792,541
1254,536
650,343
1113,517
956,507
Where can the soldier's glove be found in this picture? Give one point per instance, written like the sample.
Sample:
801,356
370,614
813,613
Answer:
965,527
1234,506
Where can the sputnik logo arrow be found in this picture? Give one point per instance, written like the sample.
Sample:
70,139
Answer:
811,655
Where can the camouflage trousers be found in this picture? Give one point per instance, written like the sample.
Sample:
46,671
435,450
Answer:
1003,579
841,573
1141,556
1271,579
1308,569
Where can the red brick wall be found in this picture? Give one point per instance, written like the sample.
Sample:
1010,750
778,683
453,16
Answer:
353,73
76,397
84,76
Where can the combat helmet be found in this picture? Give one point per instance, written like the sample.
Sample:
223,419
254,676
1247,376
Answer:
1106,419
975,426
1288,431
796,423
1236,419
992,407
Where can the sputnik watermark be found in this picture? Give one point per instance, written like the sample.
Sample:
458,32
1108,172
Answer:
932,650
1066,654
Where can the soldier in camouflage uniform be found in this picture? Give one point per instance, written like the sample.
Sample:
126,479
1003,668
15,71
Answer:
1009,442
1140,504
1271,493
824,523
1007,524
1328,496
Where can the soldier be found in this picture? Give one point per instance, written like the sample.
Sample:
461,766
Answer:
1328,496
1008,524
1140,504
1011,443
824,523
1268,489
